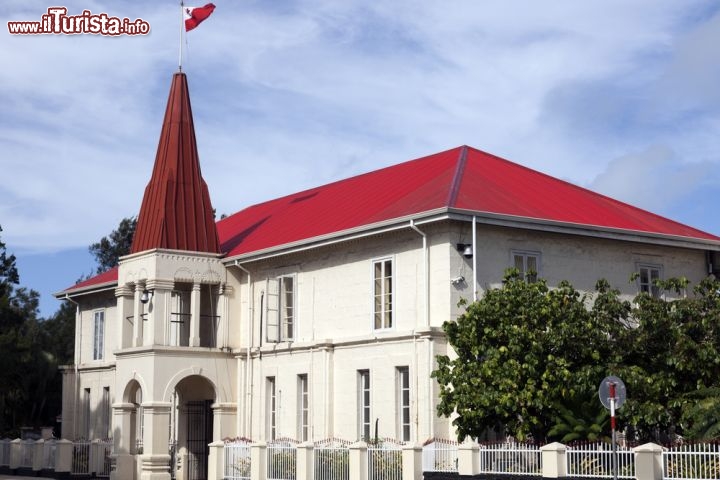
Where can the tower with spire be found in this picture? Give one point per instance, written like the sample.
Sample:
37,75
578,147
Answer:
172,295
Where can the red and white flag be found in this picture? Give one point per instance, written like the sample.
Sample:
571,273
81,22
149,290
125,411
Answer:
194,16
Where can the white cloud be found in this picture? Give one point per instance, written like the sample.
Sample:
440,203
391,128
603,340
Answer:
288,95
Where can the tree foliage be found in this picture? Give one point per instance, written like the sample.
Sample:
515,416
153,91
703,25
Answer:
529,358
110,248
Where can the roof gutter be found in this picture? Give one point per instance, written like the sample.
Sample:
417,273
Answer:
337,237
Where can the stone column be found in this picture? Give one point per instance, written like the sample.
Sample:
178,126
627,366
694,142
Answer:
648,462
224,420
358,461
195,315
412,468
122,439
258,461
468,455
124,295
553,460
156,458
305,465
63,456
137,316
216,460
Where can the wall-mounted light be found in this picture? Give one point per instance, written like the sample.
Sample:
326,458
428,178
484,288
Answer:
146,296
466,249
457,280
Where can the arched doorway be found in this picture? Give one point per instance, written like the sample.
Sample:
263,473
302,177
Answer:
134,396
192,427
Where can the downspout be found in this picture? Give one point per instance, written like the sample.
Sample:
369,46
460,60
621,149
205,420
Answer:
425,272
248,370
474,247
426,286
78,344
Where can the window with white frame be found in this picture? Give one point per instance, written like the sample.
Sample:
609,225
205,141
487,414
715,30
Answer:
402,375
302,408
98,334
647,277
528,263
270,409
280,308
364,404
383,294
179,334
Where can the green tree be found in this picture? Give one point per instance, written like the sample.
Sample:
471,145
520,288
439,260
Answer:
109,249
522,350
673,352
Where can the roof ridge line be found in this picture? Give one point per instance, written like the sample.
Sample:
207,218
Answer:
457,178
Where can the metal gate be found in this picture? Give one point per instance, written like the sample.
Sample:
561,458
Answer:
199,434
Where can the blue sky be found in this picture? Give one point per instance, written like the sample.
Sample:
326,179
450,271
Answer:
620,97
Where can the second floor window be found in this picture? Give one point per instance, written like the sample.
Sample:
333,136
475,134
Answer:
179,334
383,294
648,275
281,309
98,335
528,263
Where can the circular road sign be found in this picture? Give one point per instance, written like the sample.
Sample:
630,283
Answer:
604,391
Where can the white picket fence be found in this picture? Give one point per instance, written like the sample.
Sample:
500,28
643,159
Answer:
237,460
385,460
332,459
595,460
281,459
440,456
692,462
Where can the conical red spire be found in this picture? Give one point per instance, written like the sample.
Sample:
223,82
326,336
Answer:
176,212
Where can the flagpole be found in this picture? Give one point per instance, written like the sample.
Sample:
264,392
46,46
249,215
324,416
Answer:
182,5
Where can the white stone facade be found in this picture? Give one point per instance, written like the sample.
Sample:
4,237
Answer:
309,381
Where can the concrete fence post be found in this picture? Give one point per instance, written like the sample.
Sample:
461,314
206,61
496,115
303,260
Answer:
258,461
468,458
63,456
553,460
412,462
648,462
38,454
305,465
216,460
358,461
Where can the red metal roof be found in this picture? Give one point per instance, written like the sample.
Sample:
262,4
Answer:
176,212
461,179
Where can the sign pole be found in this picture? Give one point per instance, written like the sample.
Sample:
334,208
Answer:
612,427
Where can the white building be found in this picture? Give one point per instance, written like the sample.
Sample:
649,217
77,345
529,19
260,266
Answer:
319,314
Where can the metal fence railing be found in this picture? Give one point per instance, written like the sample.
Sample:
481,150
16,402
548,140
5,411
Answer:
440,456
510,457
49,449
332,459
281,459
80,458
699,461
101,453
5,452
237,460
27,447
384,460
595,460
